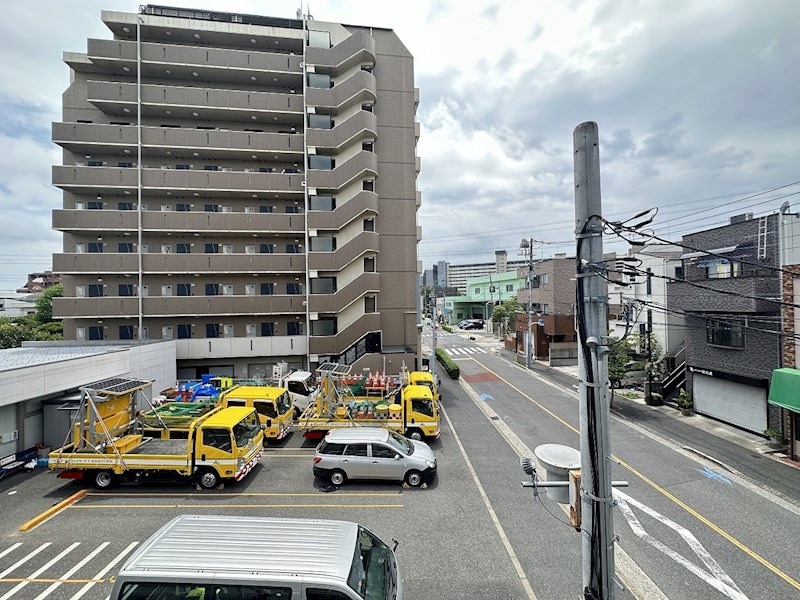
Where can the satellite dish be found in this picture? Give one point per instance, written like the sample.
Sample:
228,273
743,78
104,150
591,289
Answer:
785,207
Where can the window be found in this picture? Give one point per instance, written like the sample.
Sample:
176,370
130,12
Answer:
294,328
370,305
368,146
368,185
126,332
324,326
95,290
125,165
183,248
212,248
721,268
316,121
96,333
510,287
266,248
184,331
355,450
544,278
725,333
94,247
184,289
267,329
369,224
319,81
212,330
649,282
321,162
211,208
326,203
265,170
183,207
293,248
294,289
124,205
126,289
264,209
477,291
125,248
95,163
369,264
323,285
267,289
323,244
210,167
319,39
381,451
294,209
92,205
182,167
212,289
217,438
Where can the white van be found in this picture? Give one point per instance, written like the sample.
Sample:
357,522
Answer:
214,557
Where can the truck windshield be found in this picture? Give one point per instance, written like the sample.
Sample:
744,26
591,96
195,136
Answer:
284,403
423,406
246,430
373,574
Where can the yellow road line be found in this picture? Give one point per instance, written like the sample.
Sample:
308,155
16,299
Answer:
181,505
791,581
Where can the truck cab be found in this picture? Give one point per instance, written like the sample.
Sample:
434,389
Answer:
420,412
273,405
425,378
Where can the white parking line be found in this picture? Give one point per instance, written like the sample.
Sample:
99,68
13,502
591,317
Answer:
22,561
72,571
12,592
103,571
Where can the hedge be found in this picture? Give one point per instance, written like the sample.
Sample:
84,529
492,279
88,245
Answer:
449,365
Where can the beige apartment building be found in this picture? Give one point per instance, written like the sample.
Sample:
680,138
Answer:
243,185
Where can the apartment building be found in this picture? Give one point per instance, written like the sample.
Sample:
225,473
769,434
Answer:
244,185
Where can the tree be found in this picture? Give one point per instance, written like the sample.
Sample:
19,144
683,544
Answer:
618,360
44,304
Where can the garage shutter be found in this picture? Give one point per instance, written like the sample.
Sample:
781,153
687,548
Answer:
741,405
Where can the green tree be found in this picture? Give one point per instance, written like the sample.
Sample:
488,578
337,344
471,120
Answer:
44,304
618,360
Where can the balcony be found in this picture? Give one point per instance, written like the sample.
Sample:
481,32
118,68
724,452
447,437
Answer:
362,204
177,264
360,88
362,165
90,180
365,242
334,303
218,144
358,49
334,344
361,126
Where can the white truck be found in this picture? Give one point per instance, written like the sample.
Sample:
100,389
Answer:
300,384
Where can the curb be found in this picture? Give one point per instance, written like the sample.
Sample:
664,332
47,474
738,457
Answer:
53,510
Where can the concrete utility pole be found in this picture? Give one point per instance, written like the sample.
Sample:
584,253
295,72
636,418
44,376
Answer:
527,248
592,306
434,326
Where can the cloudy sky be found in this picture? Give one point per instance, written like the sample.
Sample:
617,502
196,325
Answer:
697,103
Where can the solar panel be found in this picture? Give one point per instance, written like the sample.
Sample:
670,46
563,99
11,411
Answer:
116,386
334,368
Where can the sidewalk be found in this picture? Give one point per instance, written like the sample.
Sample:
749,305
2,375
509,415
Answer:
745,439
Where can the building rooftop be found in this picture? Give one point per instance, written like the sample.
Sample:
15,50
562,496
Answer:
17,358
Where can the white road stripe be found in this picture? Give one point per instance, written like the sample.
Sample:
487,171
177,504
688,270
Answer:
12,592
73,570
22,561
103,571
10,549
717,579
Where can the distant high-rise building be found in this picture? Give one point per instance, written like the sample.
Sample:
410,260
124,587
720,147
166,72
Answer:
243,184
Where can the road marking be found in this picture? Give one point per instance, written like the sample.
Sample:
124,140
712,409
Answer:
102,573
23,560
235,495
509,548
65,577
12,592
712,474
10,549
717,578
228,505
794,583
53,510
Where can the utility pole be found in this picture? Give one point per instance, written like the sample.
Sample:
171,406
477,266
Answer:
597,530
527,248
435,326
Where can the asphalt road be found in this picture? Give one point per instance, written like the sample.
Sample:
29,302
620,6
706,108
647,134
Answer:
688,529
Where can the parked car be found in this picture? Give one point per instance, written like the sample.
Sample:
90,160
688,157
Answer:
462,324
473,324
373,453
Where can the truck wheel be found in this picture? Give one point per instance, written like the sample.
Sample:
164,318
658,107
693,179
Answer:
208,479
414,478
415,434
338,477
104,480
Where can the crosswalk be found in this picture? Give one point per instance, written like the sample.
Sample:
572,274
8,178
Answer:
80,570
464,351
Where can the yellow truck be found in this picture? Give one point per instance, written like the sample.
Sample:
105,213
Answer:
273,405
106,448
425,378
410,410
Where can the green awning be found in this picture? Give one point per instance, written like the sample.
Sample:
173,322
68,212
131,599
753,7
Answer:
784,389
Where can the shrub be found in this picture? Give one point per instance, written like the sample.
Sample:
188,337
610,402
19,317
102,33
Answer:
449,365
772,432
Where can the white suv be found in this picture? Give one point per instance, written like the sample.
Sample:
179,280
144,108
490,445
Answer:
373,453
